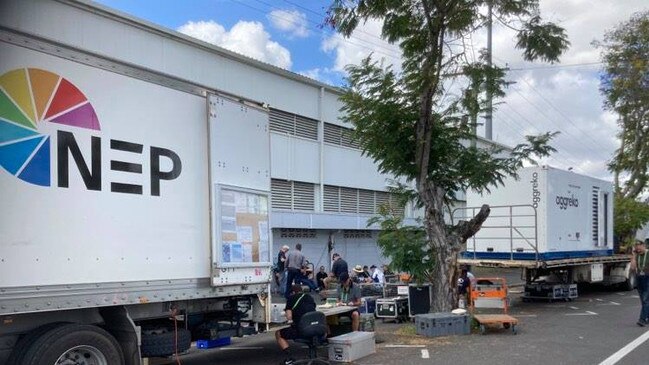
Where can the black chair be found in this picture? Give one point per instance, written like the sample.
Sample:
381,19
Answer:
312,331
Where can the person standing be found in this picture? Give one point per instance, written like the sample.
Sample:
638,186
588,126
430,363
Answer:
640,266
279,266
295,262
377,275
297,305
339,267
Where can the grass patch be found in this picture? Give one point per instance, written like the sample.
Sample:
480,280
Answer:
406,330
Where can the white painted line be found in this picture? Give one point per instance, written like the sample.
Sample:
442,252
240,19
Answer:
599,300
407,346
425,354
588,313
621,294
573,307
635,296
615,303
613,359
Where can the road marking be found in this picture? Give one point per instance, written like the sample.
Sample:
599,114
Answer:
613,359
425,354
410,346
599,300
635,296
621,294
609,303
588,313
573,307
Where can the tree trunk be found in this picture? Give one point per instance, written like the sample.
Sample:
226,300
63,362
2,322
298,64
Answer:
443,273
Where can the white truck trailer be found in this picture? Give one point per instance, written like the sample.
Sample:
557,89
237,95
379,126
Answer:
556,225
134,206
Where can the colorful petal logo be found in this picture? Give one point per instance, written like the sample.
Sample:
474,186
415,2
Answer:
28,97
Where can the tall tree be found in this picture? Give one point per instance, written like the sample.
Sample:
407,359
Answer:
410,123
625,87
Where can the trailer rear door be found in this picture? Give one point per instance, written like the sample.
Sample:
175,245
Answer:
239,143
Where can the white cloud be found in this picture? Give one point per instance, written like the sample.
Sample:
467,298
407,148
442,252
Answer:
564,99
247,38
290,21
364,41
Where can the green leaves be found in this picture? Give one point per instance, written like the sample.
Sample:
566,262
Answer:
542,41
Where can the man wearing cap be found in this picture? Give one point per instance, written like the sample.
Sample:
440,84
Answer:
339,267
349,294
297,305
640,266
377,275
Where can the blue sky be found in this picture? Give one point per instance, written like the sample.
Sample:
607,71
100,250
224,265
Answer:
541,98
305,50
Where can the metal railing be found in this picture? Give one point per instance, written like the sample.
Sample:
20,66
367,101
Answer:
510,214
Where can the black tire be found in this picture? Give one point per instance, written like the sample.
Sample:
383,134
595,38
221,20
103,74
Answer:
506,325
163,343
18,353
51,345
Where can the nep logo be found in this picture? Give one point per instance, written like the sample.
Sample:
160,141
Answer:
30,97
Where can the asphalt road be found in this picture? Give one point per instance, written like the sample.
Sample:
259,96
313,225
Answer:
587,330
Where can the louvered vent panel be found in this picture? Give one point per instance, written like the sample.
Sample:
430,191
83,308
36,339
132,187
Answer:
303,196
381,198
332,133
305,127
347,139
366,202
281,194
397,208
282,122
349,200
331,198
595,221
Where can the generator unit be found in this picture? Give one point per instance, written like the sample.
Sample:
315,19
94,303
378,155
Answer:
545,214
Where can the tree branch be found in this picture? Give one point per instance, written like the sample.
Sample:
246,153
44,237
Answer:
466,229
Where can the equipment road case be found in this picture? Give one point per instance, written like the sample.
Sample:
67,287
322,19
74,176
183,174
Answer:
392,308
351,346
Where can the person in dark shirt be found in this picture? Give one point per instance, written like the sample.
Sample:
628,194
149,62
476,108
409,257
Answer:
297,305
320,276
279,265
339,267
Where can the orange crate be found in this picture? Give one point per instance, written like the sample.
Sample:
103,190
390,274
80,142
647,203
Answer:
489,293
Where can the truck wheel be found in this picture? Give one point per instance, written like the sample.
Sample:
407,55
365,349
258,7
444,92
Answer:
69,343
162,342
18,353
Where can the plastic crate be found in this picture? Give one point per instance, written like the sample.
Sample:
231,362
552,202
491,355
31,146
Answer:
208,344
368,305
442,324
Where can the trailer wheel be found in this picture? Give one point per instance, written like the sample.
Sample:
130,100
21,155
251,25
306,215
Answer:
73,343
18,353
162,342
